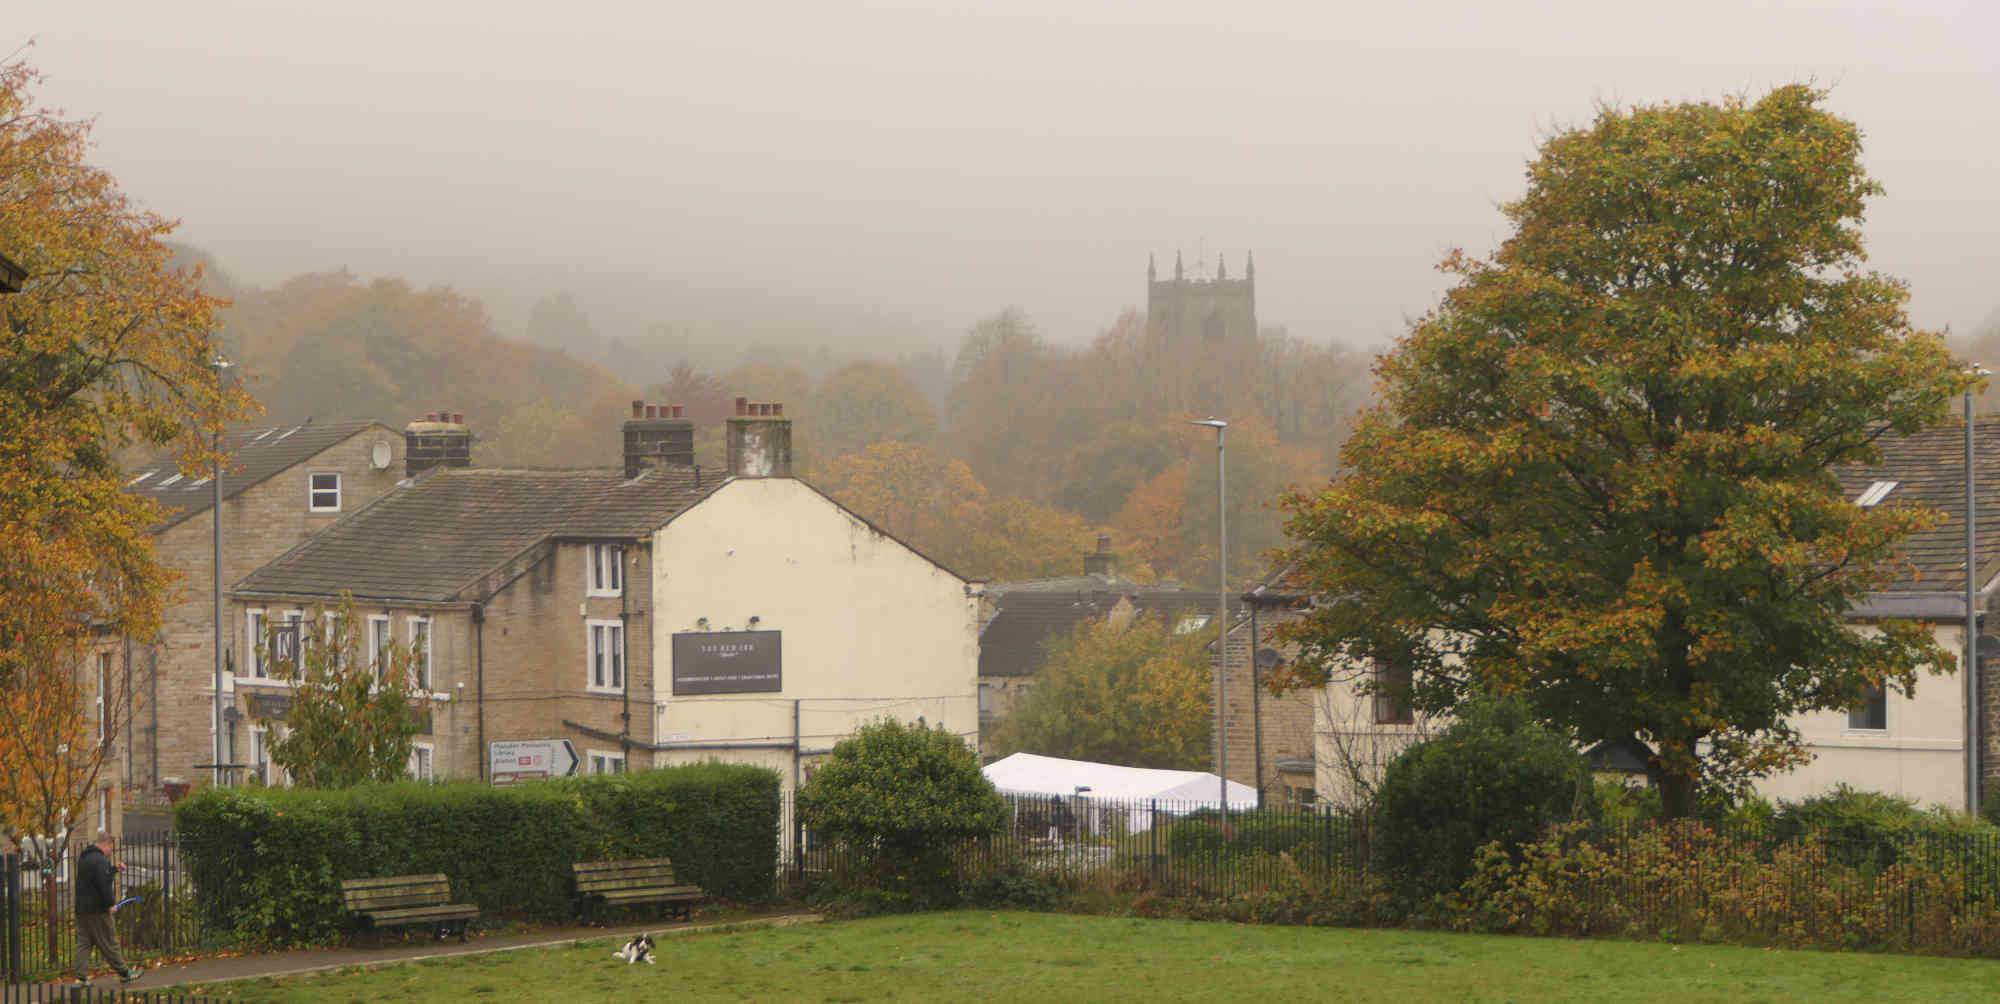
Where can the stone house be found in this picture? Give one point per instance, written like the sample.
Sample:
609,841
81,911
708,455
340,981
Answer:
281,486
1910,745
1026,617
652,615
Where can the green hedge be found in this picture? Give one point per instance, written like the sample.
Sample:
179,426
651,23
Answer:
267,862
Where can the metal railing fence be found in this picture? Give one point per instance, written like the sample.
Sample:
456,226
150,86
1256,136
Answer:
38,905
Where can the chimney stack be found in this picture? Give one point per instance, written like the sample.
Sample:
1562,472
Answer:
1105,561
760,441
439,439
656,437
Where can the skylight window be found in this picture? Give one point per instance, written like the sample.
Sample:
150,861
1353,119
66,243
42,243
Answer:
289,431
140,478
261,435
1876,493
168,481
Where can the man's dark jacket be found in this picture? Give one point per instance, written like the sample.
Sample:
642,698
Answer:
94,890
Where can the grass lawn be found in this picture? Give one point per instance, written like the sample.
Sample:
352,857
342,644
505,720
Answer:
1057,957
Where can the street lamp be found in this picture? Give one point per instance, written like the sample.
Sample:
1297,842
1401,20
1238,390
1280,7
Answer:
1971,674
1221,611
218,364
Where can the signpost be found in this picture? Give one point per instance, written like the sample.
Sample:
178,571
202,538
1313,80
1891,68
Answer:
530,760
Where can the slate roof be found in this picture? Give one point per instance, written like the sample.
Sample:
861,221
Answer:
257,454
437,538
1929,469
1028,615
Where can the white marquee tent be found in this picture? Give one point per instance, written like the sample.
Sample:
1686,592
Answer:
1139,791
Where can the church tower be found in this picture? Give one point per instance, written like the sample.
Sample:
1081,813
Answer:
1216,307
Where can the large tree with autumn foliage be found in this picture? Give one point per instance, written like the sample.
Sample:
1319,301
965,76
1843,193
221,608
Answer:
106,345
1601,473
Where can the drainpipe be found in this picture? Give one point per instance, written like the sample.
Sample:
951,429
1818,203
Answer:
1256,703
625,657
479,682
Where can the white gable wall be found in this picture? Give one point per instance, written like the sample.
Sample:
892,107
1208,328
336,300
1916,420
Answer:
871,629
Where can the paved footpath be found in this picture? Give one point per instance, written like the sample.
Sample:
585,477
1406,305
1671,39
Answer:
305,961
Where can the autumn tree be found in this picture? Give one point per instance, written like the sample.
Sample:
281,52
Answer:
1601,475
863,403
1125,691
107,345
934,504
353,715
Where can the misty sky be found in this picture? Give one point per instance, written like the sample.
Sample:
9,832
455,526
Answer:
923,165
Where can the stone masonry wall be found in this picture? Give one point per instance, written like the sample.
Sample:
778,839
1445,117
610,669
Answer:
174,674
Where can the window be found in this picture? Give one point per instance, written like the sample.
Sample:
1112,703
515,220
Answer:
422,758
260,755
103,692
324,493
272,645
1875,493
1190,623
420,650
1392,694
607,763
1873,713
607,570
607,656
378,644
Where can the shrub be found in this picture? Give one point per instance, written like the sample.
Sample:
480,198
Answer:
900,797
268,862
1494,775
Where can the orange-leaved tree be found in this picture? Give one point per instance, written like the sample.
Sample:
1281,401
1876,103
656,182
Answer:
106,345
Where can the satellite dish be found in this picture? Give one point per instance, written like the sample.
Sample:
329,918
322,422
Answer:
1989,646
381,455
1269,658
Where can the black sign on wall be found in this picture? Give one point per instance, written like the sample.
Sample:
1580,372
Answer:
728,662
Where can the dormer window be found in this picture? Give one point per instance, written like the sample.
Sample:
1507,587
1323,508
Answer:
1876,493
324,493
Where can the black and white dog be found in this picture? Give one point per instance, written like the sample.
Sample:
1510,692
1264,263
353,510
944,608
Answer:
639,949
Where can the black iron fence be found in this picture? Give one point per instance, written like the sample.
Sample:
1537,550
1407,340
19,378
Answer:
38,911
58,993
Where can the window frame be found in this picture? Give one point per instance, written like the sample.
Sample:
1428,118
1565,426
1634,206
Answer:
1390,695
598,559
423,762
605,762
258,625
381,634
593,660
424,662
103,693
1875,705
314,491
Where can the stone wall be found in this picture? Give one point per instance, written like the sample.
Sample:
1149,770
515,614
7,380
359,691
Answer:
1286,722
174,674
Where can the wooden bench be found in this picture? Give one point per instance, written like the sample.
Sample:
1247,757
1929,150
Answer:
642,880
404,900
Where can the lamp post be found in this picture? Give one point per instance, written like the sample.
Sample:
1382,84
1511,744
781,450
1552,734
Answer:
218,364
1971,612
1221,612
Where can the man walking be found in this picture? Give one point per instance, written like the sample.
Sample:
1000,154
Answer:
96,902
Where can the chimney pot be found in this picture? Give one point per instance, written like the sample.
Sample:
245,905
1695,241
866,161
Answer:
743,406
652,411
1103,542
778,408
676,411
458,418
638,409
430,416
